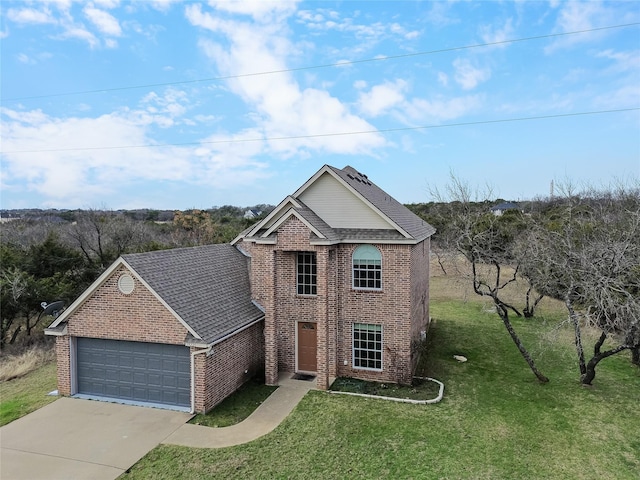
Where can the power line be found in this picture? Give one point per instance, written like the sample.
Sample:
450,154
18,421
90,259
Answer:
321,135
326,65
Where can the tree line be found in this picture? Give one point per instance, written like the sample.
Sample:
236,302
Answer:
47,258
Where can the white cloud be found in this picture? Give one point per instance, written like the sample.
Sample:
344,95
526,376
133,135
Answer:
67,166
440,109
107,3
163,5
443,79
578,16
468,76
623,61
282,108
496,35
24,58
263,11
105,22
80,33
364,35
60,14
381,98
30,16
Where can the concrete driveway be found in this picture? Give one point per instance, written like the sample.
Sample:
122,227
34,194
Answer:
73,438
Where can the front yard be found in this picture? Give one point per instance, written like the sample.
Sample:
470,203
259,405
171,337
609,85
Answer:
495,421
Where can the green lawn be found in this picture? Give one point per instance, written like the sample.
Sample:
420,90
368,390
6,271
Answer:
495,421
25,394
238,406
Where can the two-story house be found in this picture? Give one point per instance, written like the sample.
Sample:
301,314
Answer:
341,270
333,282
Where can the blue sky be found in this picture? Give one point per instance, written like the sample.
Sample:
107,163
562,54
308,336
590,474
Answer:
175,104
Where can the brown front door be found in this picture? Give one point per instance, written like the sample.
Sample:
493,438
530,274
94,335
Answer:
307,346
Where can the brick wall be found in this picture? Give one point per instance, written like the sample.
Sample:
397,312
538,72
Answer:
401,307
223,372
138,317
390,307
110,314
63,365
419,294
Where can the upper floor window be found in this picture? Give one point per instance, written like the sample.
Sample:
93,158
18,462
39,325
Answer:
307,273
367,267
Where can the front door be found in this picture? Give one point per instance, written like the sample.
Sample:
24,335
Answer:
307,347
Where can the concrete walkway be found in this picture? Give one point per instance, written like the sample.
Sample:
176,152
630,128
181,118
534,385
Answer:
264,419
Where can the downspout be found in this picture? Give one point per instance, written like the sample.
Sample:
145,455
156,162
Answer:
193,375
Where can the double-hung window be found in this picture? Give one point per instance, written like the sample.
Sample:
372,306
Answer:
307,273
367,346
367,268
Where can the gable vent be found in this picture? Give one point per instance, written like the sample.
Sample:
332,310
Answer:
126,284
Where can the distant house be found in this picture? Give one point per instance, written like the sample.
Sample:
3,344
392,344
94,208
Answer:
333,282
251,213
503,207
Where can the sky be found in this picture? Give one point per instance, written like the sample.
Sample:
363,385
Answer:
195,104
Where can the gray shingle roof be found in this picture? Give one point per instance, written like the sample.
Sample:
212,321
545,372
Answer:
319,224
398,213
208,286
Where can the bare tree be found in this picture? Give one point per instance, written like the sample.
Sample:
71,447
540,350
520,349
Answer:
486,241
588,256
103,235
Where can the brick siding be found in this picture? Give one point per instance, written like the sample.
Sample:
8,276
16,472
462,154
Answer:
138,317
401,307
223,372
141,317
63,365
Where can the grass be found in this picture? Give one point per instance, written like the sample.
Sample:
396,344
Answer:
16,366
495,421
23,395
238,406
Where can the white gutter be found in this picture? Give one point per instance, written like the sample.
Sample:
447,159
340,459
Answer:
229,335
193,375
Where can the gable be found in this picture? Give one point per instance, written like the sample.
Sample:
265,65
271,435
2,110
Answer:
343,206
339,207
137,315
205,289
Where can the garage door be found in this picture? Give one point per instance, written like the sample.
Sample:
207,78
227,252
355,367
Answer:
134,371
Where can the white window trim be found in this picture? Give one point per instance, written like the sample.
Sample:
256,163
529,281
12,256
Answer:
353,348
353,277
315,276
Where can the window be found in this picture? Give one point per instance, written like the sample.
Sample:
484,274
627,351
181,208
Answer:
307,273
367,346
367,268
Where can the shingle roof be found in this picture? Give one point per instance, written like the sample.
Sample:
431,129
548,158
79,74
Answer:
208,286
319,224
416,228
398,213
